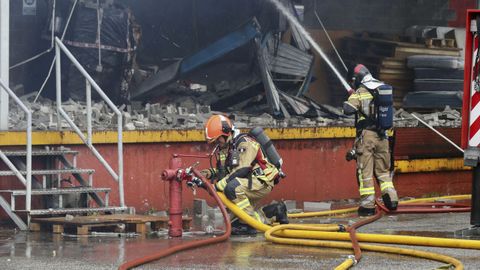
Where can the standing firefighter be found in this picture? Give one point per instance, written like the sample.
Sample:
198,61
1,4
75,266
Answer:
243,172
372,105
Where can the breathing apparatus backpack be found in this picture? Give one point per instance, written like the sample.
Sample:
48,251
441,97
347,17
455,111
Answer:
383,101
266,145
268,148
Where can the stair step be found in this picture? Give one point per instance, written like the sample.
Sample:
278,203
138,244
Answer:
22,153
43,212
57,191
49,172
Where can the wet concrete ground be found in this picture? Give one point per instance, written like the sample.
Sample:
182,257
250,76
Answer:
21,250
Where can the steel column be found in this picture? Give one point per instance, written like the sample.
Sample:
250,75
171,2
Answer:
58,84
89,111
4,60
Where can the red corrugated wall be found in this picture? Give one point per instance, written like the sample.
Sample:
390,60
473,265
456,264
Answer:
316,171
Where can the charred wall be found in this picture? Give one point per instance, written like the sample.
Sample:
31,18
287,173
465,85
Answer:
25,42
385,16
175,29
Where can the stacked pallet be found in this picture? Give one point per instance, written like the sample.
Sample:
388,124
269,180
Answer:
83,225
386,60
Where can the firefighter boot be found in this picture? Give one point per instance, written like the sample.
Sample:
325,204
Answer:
242,229
365,211
390,199
279,210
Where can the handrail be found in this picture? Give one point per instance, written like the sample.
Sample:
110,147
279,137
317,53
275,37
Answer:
59,47
28,180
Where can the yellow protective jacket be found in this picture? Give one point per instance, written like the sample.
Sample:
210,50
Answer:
251,161
361,103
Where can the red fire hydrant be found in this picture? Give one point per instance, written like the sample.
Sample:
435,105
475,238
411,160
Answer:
175,176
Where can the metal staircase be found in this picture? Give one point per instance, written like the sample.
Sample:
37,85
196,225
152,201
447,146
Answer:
53,167
47,183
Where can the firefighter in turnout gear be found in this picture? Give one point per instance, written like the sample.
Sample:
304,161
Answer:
371,147
243,173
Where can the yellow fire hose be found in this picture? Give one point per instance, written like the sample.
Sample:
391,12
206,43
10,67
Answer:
345,245
353,209
303,235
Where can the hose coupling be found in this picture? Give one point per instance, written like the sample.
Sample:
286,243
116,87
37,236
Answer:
352,257
341,228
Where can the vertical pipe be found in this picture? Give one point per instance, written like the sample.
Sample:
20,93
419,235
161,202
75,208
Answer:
58,82
53,22
175,211
12,202
58,165
120,160
90,180
4,60
89,111
60,200
475,214
107,199
28,199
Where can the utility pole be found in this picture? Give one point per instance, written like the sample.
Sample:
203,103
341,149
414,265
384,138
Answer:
4,60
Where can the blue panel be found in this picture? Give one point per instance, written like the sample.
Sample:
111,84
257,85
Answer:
221,47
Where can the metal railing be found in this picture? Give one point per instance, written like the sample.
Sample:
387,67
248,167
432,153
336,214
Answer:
28,181
59,47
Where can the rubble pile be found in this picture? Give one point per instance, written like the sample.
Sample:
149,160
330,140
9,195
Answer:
190,115
447,118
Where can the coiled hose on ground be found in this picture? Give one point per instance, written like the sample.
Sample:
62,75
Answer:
319,234
316,236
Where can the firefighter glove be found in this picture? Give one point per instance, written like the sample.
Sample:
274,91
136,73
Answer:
352,154
208,173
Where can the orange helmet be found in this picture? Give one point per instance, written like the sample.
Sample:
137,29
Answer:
216,126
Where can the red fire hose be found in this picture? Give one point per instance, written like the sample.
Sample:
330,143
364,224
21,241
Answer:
189,245
414,208
422,208
352,230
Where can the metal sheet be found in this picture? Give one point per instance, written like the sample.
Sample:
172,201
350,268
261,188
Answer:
287,59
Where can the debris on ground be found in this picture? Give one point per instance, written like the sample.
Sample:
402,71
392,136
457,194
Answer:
190,115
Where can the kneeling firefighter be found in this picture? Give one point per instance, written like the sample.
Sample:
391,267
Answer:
248,167
372,105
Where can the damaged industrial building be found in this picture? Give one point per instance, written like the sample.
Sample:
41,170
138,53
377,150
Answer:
256,63
291,133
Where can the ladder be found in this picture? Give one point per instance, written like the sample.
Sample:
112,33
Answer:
58,185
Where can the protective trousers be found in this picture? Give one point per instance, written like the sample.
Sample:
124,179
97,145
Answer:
246,196
373,158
